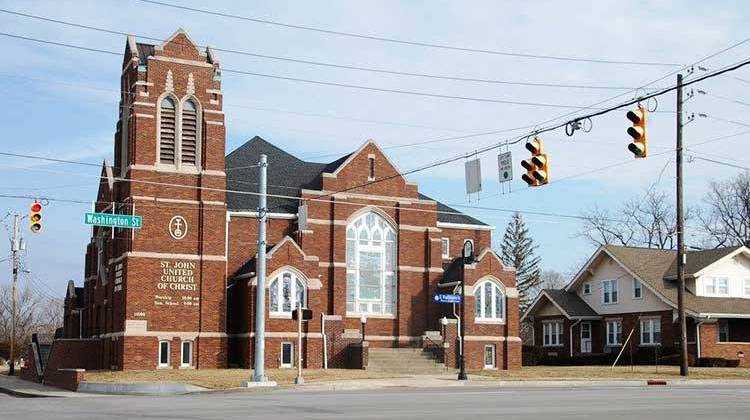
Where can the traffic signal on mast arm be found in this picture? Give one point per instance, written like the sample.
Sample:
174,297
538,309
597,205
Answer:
637,131
537,166
35,217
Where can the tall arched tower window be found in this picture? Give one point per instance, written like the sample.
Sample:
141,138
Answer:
190,133
371,265
167,131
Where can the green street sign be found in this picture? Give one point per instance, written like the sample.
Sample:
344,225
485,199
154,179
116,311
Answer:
123,221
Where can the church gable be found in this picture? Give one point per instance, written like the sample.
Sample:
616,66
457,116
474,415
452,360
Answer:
179,45
369,171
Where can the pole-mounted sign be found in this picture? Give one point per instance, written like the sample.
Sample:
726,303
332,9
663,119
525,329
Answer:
122,221
447,298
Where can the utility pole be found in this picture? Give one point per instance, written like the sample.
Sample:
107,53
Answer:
681,239
260,289
15,247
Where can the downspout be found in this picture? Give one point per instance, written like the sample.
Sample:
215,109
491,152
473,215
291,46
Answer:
571,336
325,340
458,327
698,339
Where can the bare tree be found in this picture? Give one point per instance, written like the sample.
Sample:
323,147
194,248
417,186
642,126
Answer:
647,221
726,218
34,314
552,279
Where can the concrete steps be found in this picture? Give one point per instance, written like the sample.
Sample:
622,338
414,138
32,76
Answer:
404,360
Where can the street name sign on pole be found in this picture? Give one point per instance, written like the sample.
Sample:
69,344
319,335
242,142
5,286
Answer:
122,221
447,298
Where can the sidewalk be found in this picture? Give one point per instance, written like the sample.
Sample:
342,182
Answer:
17,387
20,388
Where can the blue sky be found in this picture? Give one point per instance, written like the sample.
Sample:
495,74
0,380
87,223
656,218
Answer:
62,103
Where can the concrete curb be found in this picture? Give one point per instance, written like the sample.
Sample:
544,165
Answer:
146,388
20,394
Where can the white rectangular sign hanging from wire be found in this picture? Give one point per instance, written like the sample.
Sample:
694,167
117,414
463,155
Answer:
505,166
473,176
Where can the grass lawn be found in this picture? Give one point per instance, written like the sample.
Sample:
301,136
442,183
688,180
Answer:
607,373
227,378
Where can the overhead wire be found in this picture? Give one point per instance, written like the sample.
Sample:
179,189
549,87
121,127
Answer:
320,63
321,82
406,42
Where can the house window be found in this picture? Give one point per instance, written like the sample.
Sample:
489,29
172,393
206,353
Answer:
446,247
609,291
167,131
716,286
189,133
285,291
723,331
489,356
371,265
287,355
637,289
747,287
587,288
651,331
489,302
370,168
553,333
186,358
614,333
164,353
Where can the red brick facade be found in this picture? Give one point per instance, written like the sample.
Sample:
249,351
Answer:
188,273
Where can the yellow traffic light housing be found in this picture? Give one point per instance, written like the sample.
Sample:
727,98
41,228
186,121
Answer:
35,217
639,145
537,167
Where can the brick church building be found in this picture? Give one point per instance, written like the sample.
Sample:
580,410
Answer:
180,291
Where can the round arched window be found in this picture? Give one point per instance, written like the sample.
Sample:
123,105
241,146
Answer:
285,290
489,301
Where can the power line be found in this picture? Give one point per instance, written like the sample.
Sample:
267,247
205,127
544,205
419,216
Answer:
718,162
406,42
553,127
326,64
322,83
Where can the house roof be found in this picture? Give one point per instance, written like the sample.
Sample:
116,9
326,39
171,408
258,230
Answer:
571,303
656,268
289,175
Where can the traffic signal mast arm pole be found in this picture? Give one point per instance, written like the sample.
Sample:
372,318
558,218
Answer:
681,238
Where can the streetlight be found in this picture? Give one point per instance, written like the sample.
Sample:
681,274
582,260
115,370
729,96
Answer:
467,256
363,321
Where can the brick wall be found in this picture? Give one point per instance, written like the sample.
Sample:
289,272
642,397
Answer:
711,348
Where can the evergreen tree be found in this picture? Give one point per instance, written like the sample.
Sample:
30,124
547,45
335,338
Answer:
517,251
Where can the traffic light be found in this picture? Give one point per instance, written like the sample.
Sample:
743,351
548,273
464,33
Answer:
639,146
35,217
537,166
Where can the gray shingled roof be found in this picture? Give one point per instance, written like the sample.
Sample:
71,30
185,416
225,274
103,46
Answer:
288,175
655,267
571,303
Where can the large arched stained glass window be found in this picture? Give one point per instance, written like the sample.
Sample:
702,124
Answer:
371,265
285,291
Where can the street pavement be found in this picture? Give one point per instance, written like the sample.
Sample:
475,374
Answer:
654,402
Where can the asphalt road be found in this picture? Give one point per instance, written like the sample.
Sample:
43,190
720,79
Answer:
662,403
